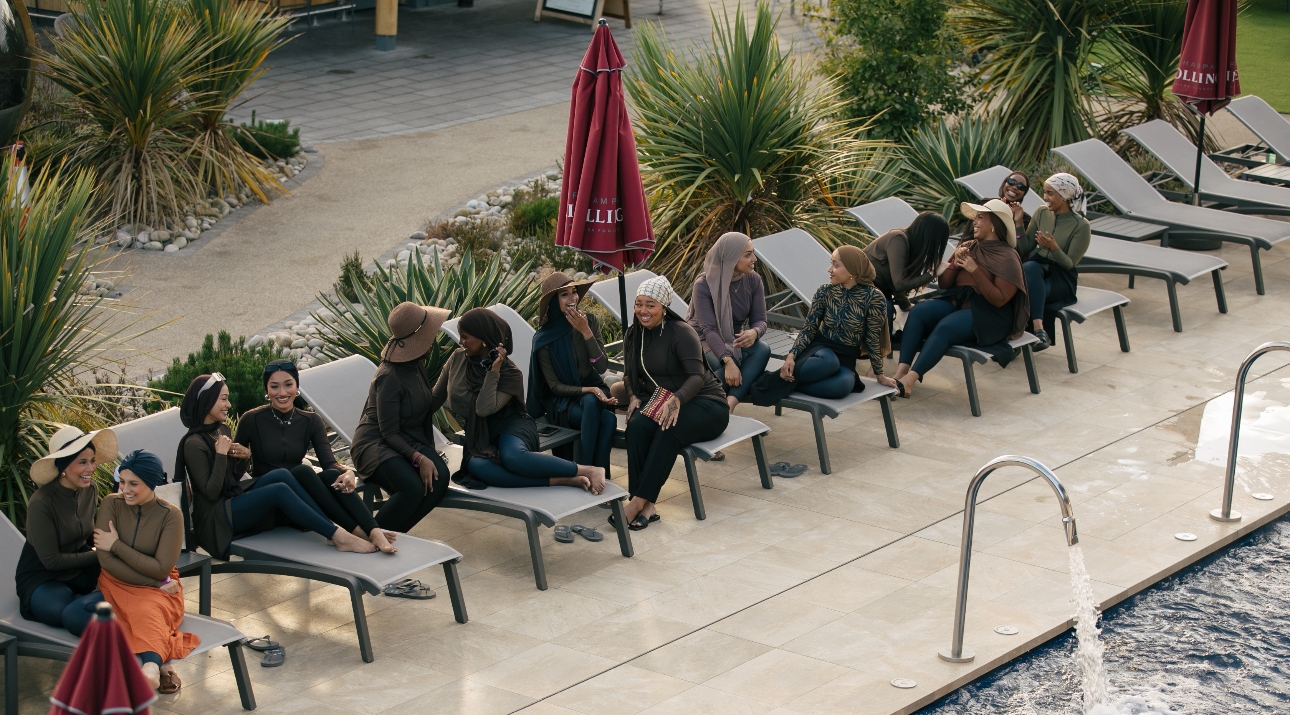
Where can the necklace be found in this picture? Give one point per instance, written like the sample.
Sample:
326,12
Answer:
282,422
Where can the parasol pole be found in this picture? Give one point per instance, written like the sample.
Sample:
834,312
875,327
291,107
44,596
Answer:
1200,152
622,297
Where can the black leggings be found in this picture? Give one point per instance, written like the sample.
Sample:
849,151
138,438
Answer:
347,510
652,452
408,502
275,493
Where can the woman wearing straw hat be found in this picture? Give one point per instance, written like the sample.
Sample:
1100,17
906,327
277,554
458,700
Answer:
982,299
58,572
565,369
394,443
1054,242
674,399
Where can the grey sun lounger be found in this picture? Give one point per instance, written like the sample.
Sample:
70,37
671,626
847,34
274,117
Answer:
1122,257
1137,199
1273,132
1179,157
288,552
337,391
38,640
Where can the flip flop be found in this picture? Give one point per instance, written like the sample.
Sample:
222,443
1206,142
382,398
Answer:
274,657
563,535
261,644
409,588
586,532
790,472
170,683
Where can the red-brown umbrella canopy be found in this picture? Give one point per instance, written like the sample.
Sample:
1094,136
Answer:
1207,78
603,211
103,675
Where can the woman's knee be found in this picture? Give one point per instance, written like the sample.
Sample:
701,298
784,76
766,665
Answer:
589,402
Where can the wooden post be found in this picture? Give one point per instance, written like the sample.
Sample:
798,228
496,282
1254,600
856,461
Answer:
387,24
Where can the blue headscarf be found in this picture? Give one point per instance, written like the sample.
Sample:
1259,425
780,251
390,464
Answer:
556,334
146,465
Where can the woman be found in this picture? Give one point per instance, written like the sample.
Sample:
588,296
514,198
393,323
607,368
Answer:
674,399
726,296
847,313
138,540
394,442
905,259
565,383
224,507
1011,192
485,391
57,571
1055,241
278,435
983,300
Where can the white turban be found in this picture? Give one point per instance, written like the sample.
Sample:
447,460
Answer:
659,289
1068,188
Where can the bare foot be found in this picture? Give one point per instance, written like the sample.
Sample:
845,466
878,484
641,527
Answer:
596,475
391,536
346,541
901,371
153,674
732,401
908,383
579,481
378,539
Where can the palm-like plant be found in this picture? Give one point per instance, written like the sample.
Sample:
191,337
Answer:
938,154
127,65
240,36
1036,62
739,137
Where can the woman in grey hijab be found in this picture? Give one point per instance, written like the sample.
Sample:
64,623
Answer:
728,311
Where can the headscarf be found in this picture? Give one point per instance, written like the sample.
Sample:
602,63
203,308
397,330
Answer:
1000,259
145,465
489,327
62,463
719,274
197,403
557,336
658,289
1068,188
857,263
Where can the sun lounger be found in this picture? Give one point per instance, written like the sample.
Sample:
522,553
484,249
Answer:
1110,255
1273,132
38,640
1137,199
1179,157
289,552
337,391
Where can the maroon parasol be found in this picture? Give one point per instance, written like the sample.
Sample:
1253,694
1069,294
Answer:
603,212
102,675
1207,78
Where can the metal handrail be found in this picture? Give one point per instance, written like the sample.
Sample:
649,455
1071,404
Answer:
956,654
1225,513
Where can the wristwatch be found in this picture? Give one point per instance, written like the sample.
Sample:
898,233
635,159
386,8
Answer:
727,360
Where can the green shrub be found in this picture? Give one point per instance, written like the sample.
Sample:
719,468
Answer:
353,278
540,252
535,218
269,140
938,154
480,238
241,366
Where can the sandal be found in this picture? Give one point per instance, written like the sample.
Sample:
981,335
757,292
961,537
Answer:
170,683
563,534
776,467
586,532
718,457
640,522
409,588
654,517
261,644
900,390
274,657
790,472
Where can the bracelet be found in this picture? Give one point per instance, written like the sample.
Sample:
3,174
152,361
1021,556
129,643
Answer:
416,461
595,359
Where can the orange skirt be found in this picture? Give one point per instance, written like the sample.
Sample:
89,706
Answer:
149,616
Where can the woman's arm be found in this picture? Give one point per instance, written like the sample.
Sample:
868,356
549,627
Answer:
706,316
897,261
42,534
135,567
207,477
757,309
389,418
875,323
996,291
1076,248
318,439
816,314
685,344
595,348
491,400
552,380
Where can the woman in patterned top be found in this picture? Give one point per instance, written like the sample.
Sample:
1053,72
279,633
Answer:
848,314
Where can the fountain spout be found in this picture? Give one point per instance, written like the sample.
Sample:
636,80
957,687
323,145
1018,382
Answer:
956,654
1225,513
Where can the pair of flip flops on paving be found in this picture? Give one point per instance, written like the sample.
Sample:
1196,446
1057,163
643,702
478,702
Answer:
274,653
786,470
564,534
409,588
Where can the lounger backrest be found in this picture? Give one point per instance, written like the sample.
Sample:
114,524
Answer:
1264,121
985,184
158,433
1177,154
883,215
11,542
1112,176
606,293
337,391
797,258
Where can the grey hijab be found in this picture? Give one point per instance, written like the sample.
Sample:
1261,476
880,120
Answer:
718,271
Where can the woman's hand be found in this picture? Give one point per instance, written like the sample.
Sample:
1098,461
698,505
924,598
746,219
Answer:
967,263
428,472
885,381
103,540
1046,240
734,378
347,482
632,405
786,372
670,412
578,321
746,339
239,451
222,444
600,395
1018,213
501,358
171,587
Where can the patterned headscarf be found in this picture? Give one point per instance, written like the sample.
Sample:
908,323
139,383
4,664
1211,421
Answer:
659,289
1068,188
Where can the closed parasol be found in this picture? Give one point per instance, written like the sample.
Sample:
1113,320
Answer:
1207,78
103,675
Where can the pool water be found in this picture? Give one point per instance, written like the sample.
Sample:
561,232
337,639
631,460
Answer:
1214,638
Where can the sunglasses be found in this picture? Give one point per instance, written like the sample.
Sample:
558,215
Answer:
214,378
1015,184
280,365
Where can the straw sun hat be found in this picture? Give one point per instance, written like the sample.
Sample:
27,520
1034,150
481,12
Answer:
998,208
413,329
70,441
552,285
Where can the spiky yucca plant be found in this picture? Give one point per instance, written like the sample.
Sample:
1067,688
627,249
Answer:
936,155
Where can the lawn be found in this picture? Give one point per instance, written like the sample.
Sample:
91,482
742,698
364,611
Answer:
1263,51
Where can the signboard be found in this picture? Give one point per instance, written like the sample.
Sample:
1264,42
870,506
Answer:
588,11
585,9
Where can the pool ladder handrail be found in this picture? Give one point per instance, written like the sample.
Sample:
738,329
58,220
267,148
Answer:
1224,512
956,654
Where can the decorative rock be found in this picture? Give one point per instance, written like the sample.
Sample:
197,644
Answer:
143,237
154,246
418,235
404,255
190,222
124,241
299,343
472,204
171,248
180,242
254,341
316,342
162,236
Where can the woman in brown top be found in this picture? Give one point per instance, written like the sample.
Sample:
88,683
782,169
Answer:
661,350
905,259
279,434
394,444
58,573
224,506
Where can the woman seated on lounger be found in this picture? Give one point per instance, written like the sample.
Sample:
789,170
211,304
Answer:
905,259
565,369
847,314
1011,192
138,539
674,399
58,572
394,444
279,434
225,507
983,297
1054,242
726,296
484,390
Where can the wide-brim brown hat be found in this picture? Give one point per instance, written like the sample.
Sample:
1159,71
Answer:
70,441
552,285
413,329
